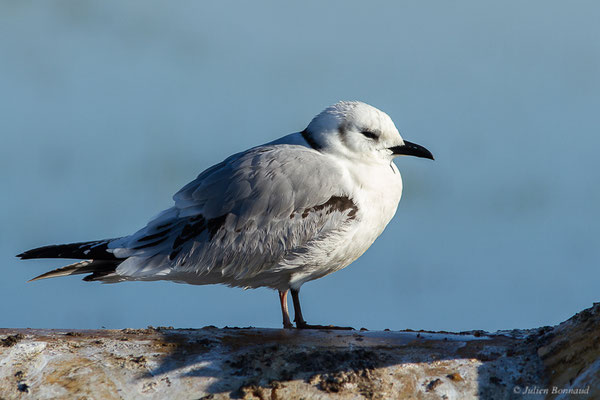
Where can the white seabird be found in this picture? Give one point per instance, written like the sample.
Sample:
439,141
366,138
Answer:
276,215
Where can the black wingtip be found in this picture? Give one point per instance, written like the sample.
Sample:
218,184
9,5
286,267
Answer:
33,253
97,250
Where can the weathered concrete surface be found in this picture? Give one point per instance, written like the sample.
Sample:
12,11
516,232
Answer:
211,363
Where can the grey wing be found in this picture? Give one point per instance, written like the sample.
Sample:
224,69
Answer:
242,217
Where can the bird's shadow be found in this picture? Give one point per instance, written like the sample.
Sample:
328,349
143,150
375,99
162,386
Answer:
236,361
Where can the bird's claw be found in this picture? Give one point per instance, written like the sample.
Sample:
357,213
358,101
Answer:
304,325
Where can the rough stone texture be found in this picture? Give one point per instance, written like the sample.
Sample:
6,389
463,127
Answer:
571,355
212,363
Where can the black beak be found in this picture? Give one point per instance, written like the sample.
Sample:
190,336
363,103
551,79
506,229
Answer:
411,149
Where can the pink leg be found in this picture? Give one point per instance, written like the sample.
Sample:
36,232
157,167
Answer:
287,324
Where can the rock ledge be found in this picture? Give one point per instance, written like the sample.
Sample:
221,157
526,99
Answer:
252,363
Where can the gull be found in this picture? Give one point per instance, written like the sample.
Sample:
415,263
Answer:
277,215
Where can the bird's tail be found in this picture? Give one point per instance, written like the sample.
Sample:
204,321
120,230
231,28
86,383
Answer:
99,261
97,269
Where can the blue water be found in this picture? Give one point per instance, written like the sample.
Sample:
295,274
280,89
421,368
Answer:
107,108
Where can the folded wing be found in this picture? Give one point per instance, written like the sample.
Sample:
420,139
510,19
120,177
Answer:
240,218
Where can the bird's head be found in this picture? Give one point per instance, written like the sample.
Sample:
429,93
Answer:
359,131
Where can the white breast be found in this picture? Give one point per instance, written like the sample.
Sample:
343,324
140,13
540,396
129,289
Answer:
376,191
379,188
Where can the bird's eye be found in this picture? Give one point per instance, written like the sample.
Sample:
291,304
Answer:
370,135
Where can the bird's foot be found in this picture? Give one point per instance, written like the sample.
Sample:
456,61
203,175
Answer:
288,325
304,325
